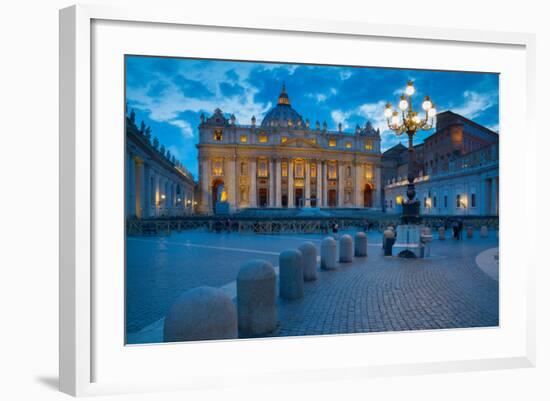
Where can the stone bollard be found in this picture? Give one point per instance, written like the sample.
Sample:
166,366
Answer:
470,232
202,313
309,255
484,232
328,254
291,274
346,249
256,293
360,244
441,232
388,241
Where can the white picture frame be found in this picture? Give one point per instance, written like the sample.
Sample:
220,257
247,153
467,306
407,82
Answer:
79,345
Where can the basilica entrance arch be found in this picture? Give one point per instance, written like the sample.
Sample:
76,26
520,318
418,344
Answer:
367,196
216,186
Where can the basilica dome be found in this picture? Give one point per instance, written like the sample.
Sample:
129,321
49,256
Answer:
282,115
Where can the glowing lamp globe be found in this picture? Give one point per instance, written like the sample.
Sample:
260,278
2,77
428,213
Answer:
403,103
427,104
388,111
409,90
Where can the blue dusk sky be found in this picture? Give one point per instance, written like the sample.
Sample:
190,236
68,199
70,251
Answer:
170,94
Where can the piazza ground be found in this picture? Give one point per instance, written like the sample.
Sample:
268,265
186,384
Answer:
457,287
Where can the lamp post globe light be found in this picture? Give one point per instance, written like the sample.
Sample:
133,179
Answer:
402,120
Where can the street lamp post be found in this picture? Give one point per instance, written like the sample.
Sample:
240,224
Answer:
409,123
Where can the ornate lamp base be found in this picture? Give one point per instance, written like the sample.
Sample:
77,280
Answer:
411,212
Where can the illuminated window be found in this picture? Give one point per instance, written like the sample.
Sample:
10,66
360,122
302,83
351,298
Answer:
284,139
284,169
368,172
313,141
217,167
263,138
332,142
348,145
368,145
244,138
398,200
262,168
218,134
332,170
313,170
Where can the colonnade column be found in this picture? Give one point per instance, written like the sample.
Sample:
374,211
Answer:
132,186
291,196
307,203
319,194
146,204
278,182
140,188
252,196
325,184
340,184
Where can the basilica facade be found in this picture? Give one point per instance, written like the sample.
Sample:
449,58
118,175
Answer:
286,162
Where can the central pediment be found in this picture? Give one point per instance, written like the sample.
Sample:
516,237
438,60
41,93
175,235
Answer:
301,143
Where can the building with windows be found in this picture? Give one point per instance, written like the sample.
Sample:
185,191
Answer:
456,168
156,183
285,162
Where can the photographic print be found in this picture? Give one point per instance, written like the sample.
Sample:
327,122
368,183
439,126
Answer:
268,200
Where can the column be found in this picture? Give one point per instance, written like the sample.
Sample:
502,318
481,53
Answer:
146,209
204,191
325,184
291,196
377,201
132,186
140,190
493,196
272,179
357,167
482,197
278,183
252,196
319,183
157,194
230,179
307,203
341,173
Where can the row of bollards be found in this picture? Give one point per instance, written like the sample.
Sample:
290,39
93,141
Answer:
207,313
483,232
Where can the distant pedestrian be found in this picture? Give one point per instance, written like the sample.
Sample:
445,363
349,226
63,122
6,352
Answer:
460,228
335,230
454,227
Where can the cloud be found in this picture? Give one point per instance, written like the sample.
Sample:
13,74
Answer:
345,74
184,126
476,103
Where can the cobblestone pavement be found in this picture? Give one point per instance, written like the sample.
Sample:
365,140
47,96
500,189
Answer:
389,294
376,293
